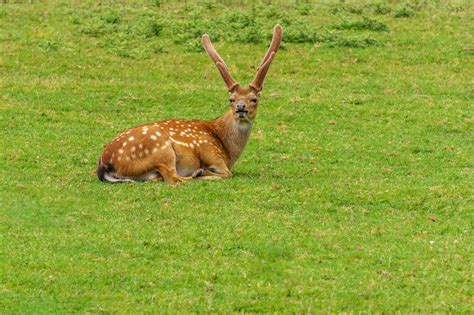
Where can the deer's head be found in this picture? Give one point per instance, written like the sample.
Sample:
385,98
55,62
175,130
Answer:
244,100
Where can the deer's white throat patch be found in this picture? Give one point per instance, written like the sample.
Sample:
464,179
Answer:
244,125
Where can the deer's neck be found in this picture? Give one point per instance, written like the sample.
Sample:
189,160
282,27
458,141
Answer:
233,135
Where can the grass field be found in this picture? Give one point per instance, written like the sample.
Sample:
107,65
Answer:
353,194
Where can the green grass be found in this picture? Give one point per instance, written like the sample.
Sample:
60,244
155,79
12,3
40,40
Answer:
353,194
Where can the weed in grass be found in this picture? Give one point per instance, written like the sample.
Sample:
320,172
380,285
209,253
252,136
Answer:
144,29
304,9
51,44
351,42
347,8
250,35
272,12
354,9
156,3
419,5
456,7
193,45
404,12
249,30
366,23
300,32
94,26
112,17
209,5
381,8
336,10
157,47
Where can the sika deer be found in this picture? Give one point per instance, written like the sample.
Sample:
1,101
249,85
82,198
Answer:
176,150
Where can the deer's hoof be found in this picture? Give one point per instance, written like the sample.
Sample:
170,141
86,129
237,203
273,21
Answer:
198,173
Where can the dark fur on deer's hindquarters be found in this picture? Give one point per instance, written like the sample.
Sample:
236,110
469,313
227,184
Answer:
176,150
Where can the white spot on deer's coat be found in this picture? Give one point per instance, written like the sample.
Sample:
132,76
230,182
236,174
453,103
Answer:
140,146
154,150
124,144
131,138
158,133
179,142
147,152
120,151
133,149
153,137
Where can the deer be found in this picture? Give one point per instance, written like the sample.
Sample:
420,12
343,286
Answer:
178,150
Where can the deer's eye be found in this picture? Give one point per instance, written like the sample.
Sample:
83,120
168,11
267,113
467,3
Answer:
253,100
231,100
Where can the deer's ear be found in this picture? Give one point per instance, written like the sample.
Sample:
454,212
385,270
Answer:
232,90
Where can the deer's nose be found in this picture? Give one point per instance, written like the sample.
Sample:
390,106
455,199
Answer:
240,107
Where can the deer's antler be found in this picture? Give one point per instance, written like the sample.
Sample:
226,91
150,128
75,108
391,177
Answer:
257,83
220,64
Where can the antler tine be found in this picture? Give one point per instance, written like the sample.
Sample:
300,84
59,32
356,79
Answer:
257,83
276,40
219,62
